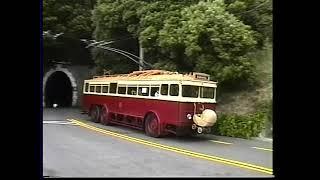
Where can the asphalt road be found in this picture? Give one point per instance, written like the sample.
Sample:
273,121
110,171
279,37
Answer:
71,150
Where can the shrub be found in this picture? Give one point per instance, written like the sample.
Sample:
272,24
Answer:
242,126
266,108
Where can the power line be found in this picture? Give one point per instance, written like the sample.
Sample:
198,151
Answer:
255,8
102,45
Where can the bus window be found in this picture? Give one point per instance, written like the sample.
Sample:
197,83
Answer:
122,90
207,92
155,91
91,88
143,91
98,89
190,91
132,90
86,87
174,90
105,89
113,88
164,89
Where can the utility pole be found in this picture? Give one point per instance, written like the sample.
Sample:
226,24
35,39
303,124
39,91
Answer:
141,56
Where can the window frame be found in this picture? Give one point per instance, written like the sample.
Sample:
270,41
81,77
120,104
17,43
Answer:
105,85
144,86
154,86
132,86
214,92
178,90
199,89
116,88
86,87
167,90
94,88
122,86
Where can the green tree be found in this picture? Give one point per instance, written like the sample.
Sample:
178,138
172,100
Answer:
205,37
73,18
116,20
185,35
255,13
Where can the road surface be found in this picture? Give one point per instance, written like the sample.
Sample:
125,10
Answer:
75,147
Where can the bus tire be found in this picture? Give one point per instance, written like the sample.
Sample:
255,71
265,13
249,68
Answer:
152,126
104,116
95,113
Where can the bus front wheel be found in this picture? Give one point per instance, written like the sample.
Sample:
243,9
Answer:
95,113
152,126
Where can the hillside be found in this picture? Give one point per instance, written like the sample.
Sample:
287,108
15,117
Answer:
242,102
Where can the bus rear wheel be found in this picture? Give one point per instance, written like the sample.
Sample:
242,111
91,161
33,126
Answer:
152,126
95,113
104,116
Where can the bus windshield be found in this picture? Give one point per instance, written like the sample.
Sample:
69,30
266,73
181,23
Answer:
207,92
190,91
193,91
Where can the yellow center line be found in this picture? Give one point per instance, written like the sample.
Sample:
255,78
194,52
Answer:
178,150
265,149
221,142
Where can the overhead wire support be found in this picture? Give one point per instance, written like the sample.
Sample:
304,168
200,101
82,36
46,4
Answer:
102,45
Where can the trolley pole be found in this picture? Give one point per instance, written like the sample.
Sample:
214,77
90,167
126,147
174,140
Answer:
141,57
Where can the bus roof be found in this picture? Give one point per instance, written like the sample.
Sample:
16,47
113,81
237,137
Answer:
155,75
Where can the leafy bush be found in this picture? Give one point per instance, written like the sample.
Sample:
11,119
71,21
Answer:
266,108
242,126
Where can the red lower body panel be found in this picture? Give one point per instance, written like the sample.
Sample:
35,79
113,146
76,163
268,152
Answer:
133,110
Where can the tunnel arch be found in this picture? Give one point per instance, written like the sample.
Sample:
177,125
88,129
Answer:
52,76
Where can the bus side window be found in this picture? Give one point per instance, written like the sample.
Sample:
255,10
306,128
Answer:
104,89
91,88
164,89
98,89
174,90
132,90
122,90
113,88
86,87
154,91
143,91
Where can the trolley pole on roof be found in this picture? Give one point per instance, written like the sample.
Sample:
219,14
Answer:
141,57
103,45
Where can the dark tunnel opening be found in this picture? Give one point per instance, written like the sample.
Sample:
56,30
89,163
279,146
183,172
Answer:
58,90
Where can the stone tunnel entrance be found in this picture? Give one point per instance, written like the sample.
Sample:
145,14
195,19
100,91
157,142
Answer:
59,87
58,90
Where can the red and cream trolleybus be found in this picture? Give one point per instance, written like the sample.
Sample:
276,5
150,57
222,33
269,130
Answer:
158,102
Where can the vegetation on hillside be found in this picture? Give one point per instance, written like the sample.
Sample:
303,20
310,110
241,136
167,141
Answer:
73,19
186,35
228,39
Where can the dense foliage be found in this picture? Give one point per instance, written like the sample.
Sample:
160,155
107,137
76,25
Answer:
243,126
73,19
186,35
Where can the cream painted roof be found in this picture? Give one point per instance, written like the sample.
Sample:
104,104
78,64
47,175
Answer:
149,75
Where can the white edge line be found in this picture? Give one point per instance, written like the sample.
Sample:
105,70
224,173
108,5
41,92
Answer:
265,149
221,142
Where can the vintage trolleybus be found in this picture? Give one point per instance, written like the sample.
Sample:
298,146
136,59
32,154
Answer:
158,102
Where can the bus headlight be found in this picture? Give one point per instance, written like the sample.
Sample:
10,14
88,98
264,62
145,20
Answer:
194,126
189,116
199,130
